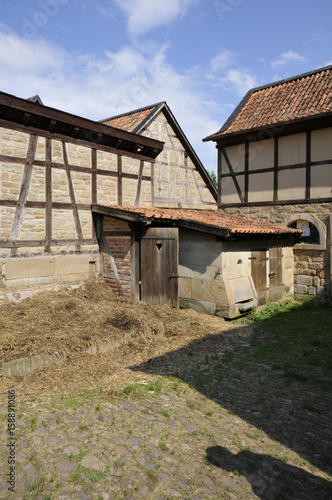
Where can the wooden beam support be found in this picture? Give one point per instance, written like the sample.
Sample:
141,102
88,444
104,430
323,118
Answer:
237,187
139,184
219,175
119,180
48,191
246,171
308,167
113,264
275,169
72,194
94,175
24,191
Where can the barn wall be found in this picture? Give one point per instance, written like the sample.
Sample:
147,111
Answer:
176,179
312,272
297,166
47,187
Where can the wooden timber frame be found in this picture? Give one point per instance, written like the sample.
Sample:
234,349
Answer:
251,176
50,124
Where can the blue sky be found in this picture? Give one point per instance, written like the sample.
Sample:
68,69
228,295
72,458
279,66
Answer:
98,58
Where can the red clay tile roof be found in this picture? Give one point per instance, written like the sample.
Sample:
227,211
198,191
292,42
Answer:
235,224
132,120
298,97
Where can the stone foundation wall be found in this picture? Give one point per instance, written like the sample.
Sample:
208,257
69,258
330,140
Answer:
312,272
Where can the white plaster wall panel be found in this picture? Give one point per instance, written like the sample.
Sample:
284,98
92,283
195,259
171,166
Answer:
260,187
321,181
292,149
236,156
291,184
228,189
261,154
321,144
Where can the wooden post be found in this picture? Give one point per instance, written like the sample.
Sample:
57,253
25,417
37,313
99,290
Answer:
72,197
113,264
48,193
24,191
119,180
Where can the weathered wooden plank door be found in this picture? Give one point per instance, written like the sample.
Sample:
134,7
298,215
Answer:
258,272
276,284
159,266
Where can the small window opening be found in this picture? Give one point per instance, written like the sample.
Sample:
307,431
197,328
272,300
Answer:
310,235
239,261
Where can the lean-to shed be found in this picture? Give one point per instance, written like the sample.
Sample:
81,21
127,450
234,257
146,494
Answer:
213,262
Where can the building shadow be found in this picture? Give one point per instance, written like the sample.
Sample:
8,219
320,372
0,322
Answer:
270,401
269,477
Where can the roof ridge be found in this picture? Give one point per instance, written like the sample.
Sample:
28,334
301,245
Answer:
253,90
132,112
291,78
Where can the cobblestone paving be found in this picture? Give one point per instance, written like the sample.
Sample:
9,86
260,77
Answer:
172,442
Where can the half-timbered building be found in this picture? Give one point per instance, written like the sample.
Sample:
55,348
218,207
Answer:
275,164
133,204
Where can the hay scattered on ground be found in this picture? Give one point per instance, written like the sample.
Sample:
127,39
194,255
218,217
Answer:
69,321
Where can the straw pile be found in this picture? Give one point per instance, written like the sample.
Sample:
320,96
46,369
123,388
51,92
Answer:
70,321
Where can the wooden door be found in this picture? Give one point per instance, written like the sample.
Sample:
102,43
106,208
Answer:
258,272
159,266
275,275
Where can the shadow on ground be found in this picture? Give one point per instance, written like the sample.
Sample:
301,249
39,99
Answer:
271,375
281,480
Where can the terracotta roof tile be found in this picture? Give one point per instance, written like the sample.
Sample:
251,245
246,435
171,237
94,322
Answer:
129,121
302,96
235,224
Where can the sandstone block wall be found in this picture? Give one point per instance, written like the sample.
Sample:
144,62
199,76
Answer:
312,271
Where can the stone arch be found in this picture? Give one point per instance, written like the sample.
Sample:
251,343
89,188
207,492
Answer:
320,226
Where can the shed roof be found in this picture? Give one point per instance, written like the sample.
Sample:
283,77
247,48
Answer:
209,221
300,97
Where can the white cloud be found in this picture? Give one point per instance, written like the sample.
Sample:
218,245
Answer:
100,87
289,56
239,79
144,15
222,60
